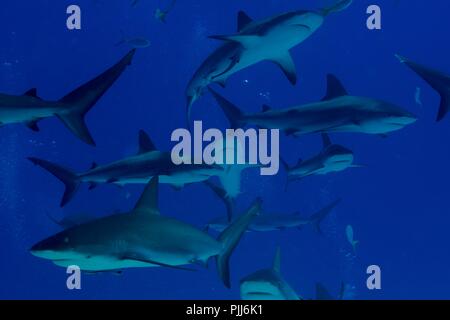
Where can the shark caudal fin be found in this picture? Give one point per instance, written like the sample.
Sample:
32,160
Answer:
341,5
66,176
230,238
317,218
437,80
232,112
81,100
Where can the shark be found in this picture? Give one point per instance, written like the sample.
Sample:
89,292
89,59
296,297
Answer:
140,168
270,39
337,112
267,284
270,221
332,158
438,80
29,108
142,238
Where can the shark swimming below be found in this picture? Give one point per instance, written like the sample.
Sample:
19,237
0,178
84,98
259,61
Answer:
270,39
267,284
140,168
273,222
71,109
337,112
437,80
142,238
332,158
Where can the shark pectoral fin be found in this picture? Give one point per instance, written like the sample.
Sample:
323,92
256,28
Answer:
145,260
243,20
148,202
335,88
33,125
286,64
145,143
247,41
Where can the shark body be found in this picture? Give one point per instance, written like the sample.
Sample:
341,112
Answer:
268,40
141,238
332,158
337,112
139,169
267,284
71,109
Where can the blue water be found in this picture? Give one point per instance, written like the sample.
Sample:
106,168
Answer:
397,205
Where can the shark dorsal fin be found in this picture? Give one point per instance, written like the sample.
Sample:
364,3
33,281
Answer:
277,261
266,108
243,20
326,140
31,93
145,143
335,88
148,202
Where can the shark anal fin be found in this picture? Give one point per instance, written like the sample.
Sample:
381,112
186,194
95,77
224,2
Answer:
286,63
444,106
33,125
326,140
243,20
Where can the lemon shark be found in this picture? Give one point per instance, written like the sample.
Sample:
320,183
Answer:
140,168
142,238
271,221
267,284
71,109
337,112
437,80
332,158
270,39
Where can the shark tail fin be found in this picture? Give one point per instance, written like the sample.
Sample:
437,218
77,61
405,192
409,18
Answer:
434,79
337,7
66,176
82,99
317,218
232,112
230,238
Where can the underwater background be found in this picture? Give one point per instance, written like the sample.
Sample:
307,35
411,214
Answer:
397,203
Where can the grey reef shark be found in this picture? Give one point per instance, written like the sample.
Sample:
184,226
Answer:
332,158
267,284
271,221
337,112
71,109
142,238
140,168
270,39
437,80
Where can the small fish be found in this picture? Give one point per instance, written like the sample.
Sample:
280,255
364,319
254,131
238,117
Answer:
161,14
136,43
418,96
350,239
